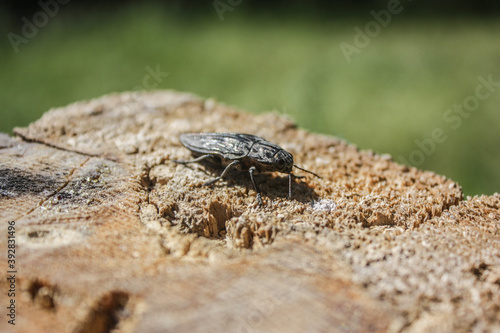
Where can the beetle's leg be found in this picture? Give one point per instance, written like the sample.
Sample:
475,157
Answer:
290,176
210,182
193,161
259,196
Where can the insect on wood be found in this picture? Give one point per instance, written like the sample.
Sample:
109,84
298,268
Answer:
248,151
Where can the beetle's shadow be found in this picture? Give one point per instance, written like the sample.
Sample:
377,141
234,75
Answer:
272,185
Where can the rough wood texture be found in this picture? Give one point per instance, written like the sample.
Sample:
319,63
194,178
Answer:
113,236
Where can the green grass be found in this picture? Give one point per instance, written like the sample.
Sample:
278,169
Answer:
393,93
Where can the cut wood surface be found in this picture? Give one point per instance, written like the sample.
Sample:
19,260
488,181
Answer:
112,236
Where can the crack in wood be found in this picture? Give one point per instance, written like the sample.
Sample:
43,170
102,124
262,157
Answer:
68,180
39,141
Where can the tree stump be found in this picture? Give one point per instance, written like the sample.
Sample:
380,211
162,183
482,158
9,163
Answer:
112,236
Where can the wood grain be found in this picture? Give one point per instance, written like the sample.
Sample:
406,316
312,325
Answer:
114,237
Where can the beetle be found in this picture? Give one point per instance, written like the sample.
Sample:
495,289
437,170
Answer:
249,151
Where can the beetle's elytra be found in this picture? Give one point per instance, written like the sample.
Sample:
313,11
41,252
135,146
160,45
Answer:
249,151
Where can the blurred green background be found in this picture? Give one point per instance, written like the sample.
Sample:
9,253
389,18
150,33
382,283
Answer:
387,88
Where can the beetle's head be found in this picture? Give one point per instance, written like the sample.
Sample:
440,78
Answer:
283,161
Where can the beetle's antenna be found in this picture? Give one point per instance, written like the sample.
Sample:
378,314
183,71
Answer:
312,173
